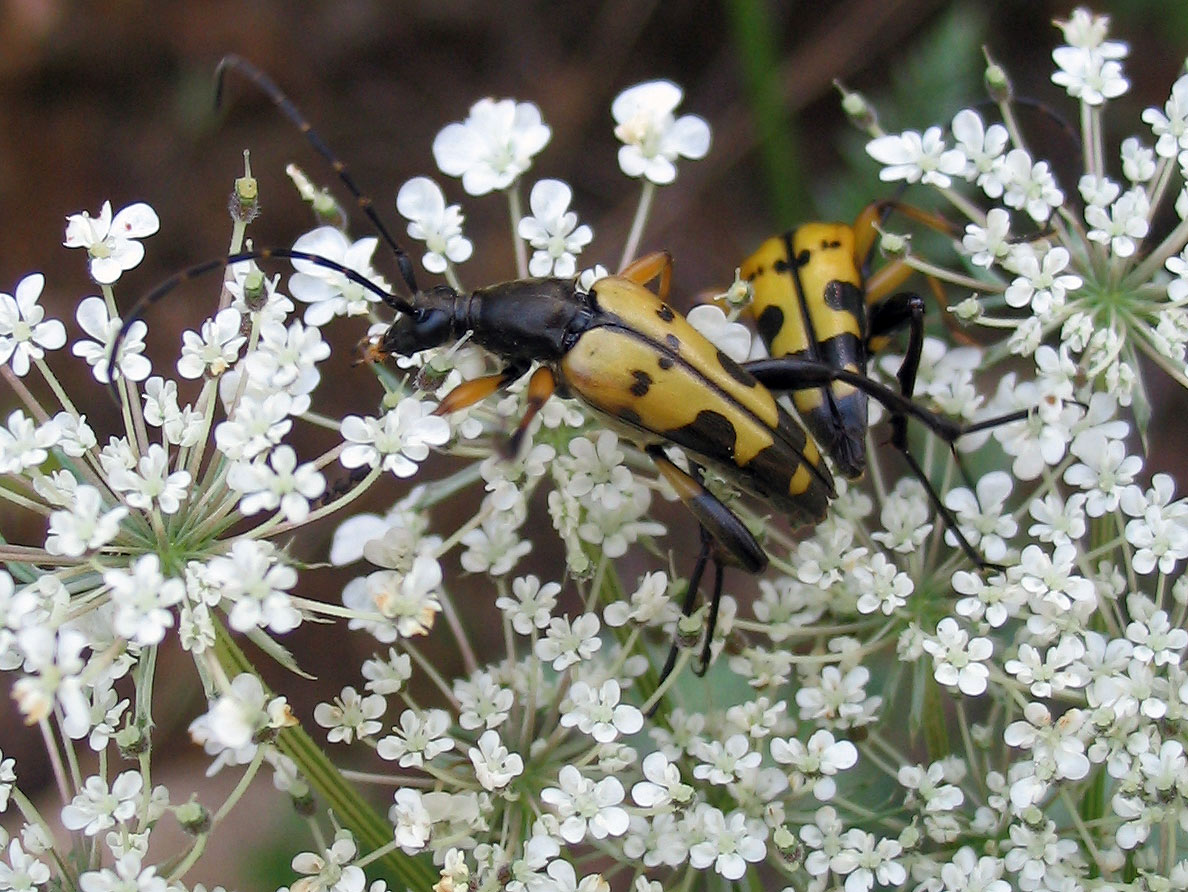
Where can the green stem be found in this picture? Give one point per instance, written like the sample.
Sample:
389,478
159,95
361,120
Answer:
370,828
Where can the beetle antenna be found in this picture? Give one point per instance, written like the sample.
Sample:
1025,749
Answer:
396,301
286,107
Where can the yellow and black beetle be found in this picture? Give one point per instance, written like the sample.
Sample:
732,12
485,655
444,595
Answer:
817,305
632,359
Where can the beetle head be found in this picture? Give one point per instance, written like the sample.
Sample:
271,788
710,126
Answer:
430,324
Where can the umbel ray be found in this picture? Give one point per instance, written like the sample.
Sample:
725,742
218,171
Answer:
637,364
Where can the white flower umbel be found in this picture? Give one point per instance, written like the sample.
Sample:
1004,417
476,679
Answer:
1013,725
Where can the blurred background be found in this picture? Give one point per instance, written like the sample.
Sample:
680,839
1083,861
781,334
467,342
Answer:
113,101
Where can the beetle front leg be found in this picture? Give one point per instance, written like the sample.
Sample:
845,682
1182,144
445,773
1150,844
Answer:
477,389
541,386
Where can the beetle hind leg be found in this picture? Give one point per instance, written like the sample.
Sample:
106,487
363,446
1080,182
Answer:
724,538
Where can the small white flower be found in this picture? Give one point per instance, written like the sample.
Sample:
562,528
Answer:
1170,126
253,579
982,515
531,604
553,231
330,871
732,338
111,243
92,316
1138,161
411,820
586,806
598,712
350,716
420,737
1088,75
24,444
494,764
493,146
277,483
242,712
98,807
422,203
25,333
663,785
214,349
1042,282
1030,186
142,598
958,659
328,292
916,157
1124,225
567,643
653,138
983,148
816,761
990,244
730,842
152,484
396,442
85,526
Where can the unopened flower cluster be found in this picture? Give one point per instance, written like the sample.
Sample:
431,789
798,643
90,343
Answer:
885,713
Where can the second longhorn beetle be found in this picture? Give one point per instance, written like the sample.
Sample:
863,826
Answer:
815,299
635,362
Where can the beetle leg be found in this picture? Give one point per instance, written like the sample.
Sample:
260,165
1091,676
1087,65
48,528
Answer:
722,524
643,269
711,623
866,232
787,373
674,650
880,285
719,527
477,389
540,387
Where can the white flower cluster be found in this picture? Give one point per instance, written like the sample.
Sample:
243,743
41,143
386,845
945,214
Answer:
1088,274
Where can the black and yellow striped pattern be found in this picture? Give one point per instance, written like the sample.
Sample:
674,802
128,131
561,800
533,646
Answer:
644,366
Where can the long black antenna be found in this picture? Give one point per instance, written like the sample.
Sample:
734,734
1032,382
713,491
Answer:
286,106
395,301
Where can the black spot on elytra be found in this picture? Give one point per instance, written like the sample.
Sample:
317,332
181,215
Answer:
673,342
769,323
781,266
710,433
735,371
834,296
845,296
665,362
665,313
835,244
803,258
643,382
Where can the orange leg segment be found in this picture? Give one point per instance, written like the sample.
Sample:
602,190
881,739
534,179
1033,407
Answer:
643,269
540,387
470,392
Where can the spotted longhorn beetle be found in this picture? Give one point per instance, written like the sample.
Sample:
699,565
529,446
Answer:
629,357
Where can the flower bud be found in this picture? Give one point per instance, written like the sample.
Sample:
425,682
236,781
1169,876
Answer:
244,205
193,817
859,111
998,85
